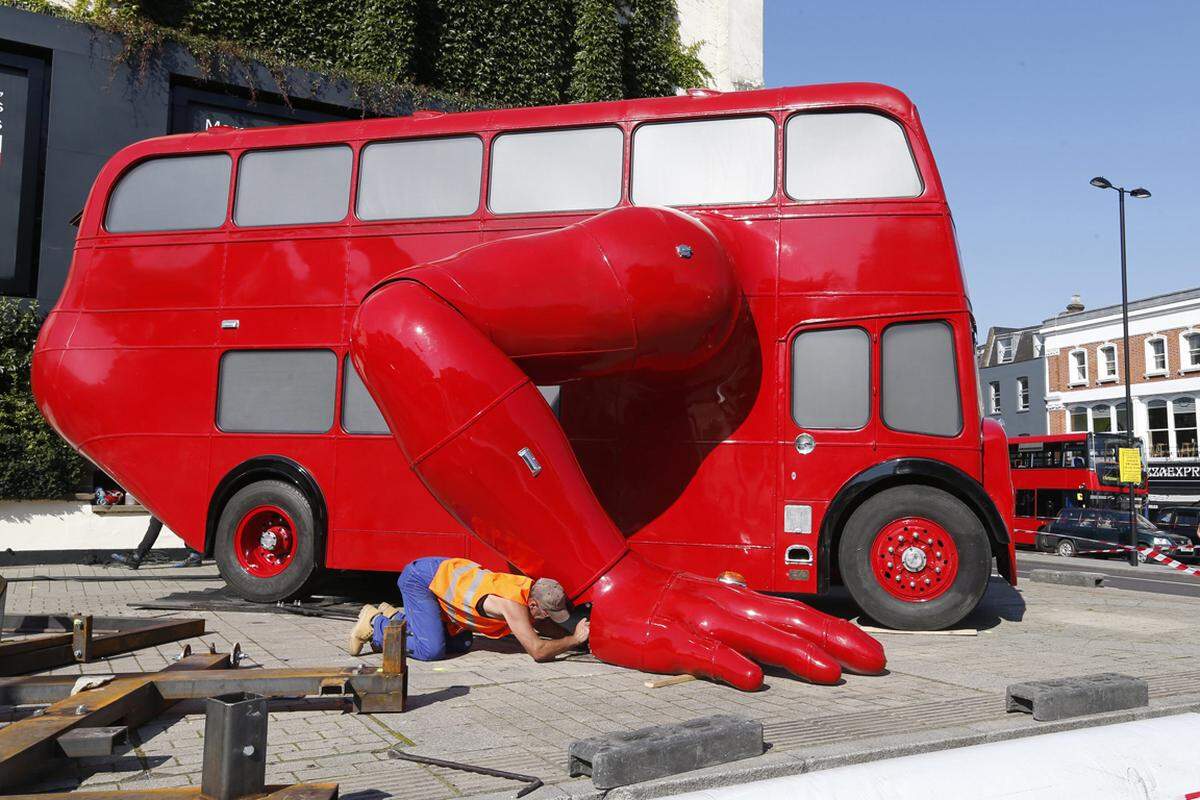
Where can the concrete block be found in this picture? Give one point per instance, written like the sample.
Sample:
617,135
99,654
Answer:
1066,577
619,759
1064,698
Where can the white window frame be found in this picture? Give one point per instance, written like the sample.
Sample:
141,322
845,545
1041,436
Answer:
1087,416
1171,421
1072,380
1022,394
1111,417
1166,367
994,397
1167,404
1186,363
1005,351
1102,375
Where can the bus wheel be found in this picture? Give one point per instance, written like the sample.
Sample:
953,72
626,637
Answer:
265,544
915,558
1065,548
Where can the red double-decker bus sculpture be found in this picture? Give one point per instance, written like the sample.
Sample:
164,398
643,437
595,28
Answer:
320,348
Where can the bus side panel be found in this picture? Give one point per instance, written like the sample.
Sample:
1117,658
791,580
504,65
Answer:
381,516
144,416
164,474
861,255
377,252
152,271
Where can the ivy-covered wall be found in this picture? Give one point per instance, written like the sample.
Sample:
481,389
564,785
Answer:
34,461
503,52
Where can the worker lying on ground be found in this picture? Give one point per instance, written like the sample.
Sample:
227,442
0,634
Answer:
447,600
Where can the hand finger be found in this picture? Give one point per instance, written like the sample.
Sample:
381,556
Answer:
674,650
852,647
856,649
770,645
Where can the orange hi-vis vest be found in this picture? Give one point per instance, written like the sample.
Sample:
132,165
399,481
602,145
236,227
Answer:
460,585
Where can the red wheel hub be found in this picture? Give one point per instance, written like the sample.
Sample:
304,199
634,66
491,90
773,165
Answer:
265,541
914,559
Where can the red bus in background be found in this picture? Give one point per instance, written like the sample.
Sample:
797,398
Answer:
198,352
1067,470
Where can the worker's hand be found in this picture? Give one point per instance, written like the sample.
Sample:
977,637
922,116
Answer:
660,620
581,631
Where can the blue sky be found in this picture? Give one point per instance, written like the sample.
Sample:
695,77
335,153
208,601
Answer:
1023,103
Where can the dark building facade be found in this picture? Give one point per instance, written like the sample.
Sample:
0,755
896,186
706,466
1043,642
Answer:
1012,372
68,102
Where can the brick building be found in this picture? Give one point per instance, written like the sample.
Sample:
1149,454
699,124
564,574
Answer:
1085,388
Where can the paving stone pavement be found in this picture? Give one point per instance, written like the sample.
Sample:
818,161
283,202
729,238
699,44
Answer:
495,707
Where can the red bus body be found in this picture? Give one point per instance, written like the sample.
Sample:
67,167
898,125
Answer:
1060,471
127,363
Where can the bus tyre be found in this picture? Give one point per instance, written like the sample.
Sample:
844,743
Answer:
266,542
915,558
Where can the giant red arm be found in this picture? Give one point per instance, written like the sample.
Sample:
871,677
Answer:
451,351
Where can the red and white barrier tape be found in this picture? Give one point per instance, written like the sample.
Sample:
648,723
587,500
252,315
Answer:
1148,552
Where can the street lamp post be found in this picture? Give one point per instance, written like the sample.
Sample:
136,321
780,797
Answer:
1140,193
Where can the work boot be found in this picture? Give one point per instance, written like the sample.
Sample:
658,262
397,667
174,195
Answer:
361,633
388,610
132,561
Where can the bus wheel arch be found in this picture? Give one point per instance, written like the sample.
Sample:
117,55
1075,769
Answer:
909,472
302,513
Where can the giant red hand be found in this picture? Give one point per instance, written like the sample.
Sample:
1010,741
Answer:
657,620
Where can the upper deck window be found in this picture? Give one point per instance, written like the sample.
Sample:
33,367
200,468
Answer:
576,169
704,162
420,178
171,194
846,156
293,187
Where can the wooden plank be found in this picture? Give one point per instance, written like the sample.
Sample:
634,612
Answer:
658,683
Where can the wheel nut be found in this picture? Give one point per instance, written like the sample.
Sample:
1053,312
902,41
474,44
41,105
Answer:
889,565
938,554
927,581
901,537
938,570
912,584
890,550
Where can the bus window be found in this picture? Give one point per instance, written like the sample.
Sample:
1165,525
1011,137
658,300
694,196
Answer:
293,187
831,378
704,162
359,412
171,194
848,155
276,391
1050,502
920,383
420,178
1025,503
576,169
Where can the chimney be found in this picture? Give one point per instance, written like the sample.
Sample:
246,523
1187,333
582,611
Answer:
1075,306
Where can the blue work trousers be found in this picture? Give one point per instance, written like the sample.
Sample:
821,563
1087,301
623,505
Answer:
427,636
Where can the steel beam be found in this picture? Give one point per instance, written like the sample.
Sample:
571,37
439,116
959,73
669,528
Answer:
299,791
29,746
186,682
81,640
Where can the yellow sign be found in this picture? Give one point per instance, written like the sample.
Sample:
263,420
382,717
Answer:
1130,459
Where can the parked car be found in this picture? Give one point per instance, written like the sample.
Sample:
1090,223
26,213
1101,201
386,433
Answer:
1182,520
1080,530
